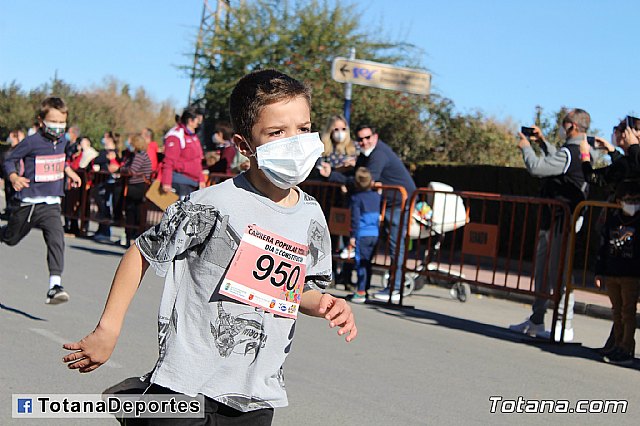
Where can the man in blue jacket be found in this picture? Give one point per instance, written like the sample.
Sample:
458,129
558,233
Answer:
39,190
386,168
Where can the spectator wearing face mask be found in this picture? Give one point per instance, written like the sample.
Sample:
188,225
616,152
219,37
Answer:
386,168
617,266
181,168
339,150
562,180
622,167
224,150
107,162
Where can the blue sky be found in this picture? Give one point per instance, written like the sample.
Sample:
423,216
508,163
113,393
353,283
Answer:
500,57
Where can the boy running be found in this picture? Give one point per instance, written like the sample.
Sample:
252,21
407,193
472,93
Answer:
40,189
240,259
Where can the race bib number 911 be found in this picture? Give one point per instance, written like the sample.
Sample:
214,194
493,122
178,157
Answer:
267,272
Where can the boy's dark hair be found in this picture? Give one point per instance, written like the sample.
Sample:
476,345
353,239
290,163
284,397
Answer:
628,188
52,103
258,89
365,126
362,179
225,128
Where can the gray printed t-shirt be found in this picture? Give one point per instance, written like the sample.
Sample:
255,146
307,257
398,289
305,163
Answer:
228,351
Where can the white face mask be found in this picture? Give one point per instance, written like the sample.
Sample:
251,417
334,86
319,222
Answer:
367,152
287,162
630,209
339,136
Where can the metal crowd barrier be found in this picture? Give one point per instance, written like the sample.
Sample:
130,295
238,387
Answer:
80,204
488,240
334,201
583,246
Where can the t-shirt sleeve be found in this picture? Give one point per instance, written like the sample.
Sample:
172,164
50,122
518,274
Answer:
319,264
184,225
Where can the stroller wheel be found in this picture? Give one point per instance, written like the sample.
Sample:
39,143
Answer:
460,291
409,282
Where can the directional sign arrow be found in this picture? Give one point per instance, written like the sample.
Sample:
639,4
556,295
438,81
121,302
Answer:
382,76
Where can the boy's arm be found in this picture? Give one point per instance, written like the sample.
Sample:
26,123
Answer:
336,311
96,348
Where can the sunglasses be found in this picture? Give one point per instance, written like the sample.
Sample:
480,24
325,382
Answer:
364,138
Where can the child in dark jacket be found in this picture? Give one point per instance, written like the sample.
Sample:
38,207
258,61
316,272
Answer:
365,223
40,188
618,266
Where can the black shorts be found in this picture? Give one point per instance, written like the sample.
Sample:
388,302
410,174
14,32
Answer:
216,414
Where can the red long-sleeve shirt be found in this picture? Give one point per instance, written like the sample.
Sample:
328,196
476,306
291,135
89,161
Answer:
183,154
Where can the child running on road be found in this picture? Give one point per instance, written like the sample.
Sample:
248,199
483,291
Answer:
40,189
240,259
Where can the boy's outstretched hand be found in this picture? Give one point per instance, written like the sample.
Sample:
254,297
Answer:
338,313
91,352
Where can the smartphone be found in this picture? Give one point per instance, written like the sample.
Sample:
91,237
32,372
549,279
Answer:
527,131
633,122
591,140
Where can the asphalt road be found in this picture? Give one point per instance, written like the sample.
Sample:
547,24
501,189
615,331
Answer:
436,363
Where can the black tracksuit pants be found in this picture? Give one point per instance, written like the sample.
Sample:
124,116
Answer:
43,216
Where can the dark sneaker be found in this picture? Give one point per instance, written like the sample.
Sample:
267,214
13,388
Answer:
619,357
606,350
102,239
56,295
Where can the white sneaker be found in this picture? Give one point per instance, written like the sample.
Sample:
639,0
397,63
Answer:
529,328
348,253
568,334
384,296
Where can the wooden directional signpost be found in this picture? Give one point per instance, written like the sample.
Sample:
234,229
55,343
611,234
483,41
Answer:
382,76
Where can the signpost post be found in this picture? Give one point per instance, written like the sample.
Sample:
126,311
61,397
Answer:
382,76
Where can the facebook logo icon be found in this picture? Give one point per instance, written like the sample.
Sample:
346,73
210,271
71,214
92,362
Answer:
24,405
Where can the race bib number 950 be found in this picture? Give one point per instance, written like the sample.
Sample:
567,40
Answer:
267,272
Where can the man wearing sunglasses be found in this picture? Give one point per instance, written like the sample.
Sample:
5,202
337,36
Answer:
386,168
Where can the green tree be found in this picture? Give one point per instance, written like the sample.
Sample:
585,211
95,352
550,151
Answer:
106,107
302,38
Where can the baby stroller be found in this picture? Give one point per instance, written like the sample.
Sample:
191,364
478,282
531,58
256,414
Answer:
431,219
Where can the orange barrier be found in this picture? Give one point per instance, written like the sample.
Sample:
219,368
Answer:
333,200
483,239
81,204
583,247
